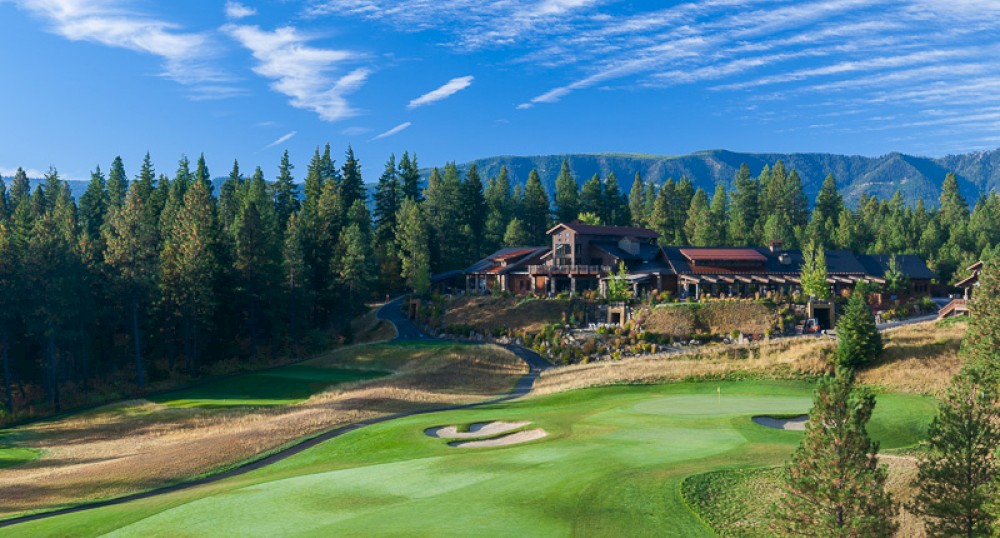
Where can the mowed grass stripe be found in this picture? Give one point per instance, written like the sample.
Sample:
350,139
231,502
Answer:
612,465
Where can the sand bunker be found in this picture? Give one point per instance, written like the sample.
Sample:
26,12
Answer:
480,429
795,423
512,439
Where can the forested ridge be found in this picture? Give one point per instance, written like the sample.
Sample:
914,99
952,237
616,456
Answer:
154,277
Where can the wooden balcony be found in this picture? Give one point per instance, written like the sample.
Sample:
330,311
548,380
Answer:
568,270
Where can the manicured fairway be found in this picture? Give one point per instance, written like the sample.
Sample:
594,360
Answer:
277,386
611,466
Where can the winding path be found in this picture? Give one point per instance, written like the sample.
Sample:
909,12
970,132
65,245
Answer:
405,331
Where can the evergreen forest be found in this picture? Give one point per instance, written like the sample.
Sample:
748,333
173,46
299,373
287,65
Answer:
157,277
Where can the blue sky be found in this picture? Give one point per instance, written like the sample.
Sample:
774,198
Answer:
459,79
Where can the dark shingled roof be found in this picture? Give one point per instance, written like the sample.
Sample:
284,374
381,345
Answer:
910,265
723,254
838,262
514,256
646,252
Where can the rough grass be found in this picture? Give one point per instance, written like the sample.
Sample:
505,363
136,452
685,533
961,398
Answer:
139,445
736,502
486,313
919,358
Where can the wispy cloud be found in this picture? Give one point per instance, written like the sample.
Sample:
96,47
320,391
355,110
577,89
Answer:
314,78
282,139
186,56
356,131
449,88
395,130
236,10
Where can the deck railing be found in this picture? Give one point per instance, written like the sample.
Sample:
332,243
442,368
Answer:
568,269
954,308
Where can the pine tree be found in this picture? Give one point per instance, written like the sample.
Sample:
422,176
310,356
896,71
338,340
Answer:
616,206
680,203
719,216
352,187
413,247
499,210
409,176
813,273
535,210
829,205
229,194
567,195
387,202
255,258
981,345
284,191
699,228
858,339
189,266
516,234
313,184
474,212
117,184
94,204
9,307
745,205
131,257
295,283
637,202
354,263
20,189
592,199
954,208
959,480
833,484
648,202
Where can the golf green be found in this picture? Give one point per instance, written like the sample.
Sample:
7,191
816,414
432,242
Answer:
612,464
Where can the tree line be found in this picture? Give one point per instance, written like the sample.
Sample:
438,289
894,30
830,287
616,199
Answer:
159,276
152,276
467,219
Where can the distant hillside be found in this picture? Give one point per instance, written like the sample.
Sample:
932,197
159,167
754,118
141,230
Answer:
915,177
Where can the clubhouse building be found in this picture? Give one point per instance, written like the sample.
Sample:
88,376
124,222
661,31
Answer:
583,257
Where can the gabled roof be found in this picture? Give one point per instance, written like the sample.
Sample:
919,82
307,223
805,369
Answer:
506,260
613,231
910,265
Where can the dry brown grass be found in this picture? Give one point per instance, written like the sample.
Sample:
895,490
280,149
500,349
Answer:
919,358
902,472
139,445
486,313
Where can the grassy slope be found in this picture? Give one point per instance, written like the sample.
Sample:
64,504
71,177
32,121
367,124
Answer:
277,386
138,445
612,465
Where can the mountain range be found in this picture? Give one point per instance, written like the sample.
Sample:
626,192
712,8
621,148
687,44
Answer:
915,177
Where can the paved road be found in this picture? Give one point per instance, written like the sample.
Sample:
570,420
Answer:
405,330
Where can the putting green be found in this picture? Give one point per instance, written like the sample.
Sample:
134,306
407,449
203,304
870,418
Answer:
611,465
10,456
277,386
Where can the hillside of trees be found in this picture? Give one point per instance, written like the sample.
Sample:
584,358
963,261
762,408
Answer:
157,278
